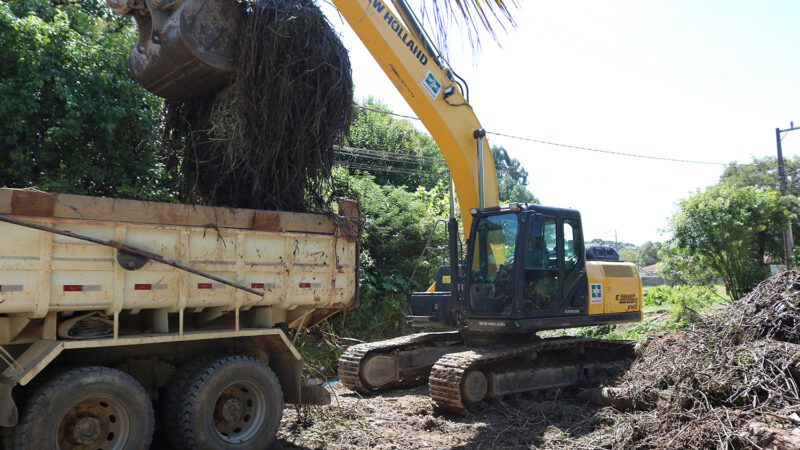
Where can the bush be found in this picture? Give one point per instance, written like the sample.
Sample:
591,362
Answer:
684,301
397,225
74,121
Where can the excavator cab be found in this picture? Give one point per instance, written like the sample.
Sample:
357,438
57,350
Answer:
185,48
526,270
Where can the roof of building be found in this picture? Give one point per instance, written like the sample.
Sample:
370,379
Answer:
651,270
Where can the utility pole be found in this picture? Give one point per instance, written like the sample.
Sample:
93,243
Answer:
788,239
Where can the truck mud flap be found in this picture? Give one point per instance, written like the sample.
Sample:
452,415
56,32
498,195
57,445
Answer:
8,409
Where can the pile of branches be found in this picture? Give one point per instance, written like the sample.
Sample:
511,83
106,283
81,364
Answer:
729,382
266,141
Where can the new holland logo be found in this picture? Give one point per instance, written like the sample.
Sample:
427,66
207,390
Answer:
597,293
432,85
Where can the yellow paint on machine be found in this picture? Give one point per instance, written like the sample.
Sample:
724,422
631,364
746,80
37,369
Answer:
422,83
614,287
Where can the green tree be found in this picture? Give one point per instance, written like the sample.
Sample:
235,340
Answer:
648,253
619,246
512,178
763,173
732,233
376,138
398,224
74,121
630,255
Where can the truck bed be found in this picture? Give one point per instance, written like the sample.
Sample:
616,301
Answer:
305,265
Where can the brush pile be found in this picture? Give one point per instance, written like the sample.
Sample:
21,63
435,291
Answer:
729,382
266,140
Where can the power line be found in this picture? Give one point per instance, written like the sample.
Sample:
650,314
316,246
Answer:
374,168
388,155
574,147
609,152
367,108
370,157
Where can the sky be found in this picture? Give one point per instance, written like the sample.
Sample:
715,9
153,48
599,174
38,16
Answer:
698,80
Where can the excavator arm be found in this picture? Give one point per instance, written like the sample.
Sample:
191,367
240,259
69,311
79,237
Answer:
428,86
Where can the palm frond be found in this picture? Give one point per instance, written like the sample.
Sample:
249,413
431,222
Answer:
476,16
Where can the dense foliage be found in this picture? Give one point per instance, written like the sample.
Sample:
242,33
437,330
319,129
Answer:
726,232
73,119
763,173
399,224
408,156
645,255
512,178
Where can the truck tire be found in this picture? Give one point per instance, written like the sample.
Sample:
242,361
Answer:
169,410
234,402
87,407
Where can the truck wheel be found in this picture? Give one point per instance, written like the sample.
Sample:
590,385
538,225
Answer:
234,402
169,410
88,407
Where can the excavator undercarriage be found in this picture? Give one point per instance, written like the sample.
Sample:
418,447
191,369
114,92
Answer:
461,376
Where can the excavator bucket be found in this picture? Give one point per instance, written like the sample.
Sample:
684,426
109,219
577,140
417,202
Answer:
185,48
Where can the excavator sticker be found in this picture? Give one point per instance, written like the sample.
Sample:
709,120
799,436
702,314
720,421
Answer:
597,293
432,85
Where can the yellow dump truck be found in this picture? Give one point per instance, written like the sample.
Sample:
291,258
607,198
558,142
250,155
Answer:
118,316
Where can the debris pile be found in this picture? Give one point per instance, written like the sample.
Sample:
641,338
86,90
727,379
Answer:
731,381
266,140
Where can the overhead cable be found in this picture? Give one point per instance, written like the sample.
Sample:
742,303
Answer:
574,147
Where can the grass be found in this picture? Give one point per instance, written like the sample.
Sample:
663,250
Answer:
666,308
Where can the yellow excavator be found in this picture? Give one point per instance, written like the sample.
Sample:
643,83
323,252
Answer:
525,267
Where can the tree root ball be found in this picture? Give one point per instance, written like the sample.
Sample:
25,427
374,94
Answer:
266,141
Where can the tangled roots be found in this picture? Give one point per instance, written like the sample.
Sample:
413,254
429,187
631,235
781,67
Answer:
266,140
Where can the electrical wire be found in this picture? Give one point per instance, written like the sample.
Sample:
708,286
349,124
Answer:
380,154
574,147
388,169
389,113
609,152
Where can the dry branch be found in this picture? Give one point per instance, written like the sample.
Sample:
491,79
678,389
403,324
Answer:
705,387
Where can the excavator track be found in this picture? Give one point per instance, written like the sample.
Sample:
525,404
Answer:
448,374
350,363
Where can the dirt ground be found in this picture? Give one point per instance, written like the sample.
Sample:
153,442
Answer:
406,419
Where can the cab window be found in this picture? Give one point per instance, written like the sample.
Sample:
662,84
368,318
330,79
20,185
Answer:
495,244
550,244
572,241
540,252
542,284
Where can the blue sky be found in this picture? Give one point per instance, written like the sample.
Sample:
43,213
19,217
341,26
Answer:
700,80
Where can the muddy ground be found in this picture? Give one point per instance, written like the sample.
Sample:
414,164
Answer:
406,419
